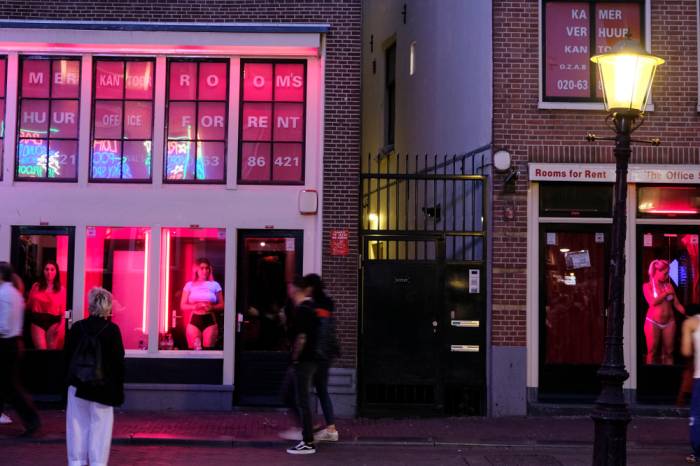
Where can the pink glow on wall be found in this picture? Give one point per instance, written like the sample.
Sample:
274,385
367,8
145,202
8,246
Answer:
145,282
166,280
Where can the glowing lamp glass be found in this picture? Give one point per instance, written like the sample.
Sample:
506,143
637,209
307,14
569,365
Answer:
626,75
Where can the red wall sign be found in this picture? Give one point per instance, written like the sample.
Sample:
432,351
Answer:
339,243
570,41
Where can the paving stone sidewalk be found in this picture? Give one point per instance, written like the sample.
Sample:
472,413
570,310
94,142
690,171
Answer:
260,428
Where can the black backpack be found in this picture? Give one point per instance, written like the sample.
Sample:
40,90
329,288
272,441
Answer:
327,344
86,362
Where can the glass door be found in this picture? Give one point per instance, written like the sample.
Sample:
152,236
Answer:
573,296
43,260
267,261
668,287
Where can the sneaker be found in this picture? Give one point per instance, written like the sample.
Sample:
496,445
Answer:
302,448
324,435
691,459
290,434
5,419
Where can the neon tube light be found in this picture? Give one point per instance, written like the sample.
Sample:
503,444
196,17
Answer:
145,284
166,320
672,211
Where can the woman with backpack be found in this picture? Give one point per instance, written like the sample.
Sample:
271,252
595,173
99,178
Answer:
95,354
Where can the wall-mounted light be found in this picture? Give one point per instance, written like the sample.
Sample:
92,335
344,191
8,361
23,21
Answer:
503,163
373,219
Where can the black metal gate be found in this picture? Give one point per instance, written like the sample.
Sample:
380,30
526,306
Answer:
423,319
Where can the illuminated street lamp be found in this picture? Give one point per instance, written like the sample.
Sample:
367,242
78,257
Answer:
626,74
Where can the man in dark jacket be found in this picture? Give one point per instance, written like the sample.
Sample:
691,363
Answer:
90,410
304,328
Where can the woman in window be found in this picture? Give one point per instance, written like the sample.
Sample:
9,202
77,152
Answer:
47,306
660,323
203,297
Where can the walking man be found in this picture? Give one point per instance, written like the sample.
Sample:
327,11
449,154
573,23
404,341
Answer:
11,348
690,347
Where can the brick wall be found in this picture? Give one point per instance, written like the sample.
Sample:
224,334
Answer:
533,135
342,104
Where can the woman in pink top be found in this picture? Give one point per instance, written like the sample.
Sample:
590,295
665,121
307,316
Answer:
47,306
660,323
203,297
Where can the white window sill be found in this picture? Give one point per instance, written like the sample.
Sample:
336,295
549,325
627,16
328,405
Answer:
594,106
175,354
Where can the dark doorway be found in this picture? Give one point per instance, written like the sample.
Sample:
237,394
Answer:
573,297
267,261
422,331
32,248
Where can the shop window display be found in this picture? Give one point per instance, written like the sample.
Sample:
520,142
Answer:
572,32
197,121
192,308
48,118
116,259
42,266
669,284
272,129
122,126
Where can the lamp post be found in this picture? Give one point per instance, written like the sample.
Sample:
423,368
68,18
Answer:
626,74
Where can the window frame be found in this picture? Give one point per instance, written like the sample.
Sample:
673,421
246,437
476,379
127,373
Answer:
591,102
198,60
123,100
50,58
390,93
241,102
3,109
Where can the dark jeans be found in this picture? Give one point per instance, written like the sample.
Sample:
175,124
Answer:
11,389
695,418
321,385
298,396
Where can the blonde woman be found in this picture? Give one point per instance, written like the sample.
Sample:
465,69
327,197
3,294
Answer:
203,297
660,323
90,410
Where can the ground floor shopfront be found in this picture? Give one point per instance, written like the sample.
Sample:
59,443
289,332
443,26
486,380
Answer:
569,227
146,268
130,153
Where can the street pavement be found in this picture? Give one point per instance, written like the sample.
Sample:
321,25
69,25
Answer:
250,438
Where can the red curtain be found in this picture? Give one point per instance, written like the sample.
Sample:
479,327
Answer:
574,300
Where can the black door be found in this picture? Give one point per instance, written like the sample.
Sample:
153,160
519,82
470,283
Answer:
573,296
267,261
673,250
402,302
34,249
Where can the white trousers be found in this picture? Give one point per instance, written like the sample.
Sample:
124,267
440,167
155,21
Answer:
88,431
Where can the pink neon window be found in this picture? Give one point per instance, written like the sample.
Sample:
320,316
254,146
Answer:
273,109
49,111
117,258
197,121
123,112
181,252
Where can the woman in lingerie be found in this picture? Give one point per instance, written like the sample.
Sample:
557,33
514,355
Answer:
47,305
203,297
660,323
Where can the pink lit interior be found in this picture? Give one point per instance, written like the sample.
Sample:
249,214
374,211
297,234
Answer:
180,248
129,277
